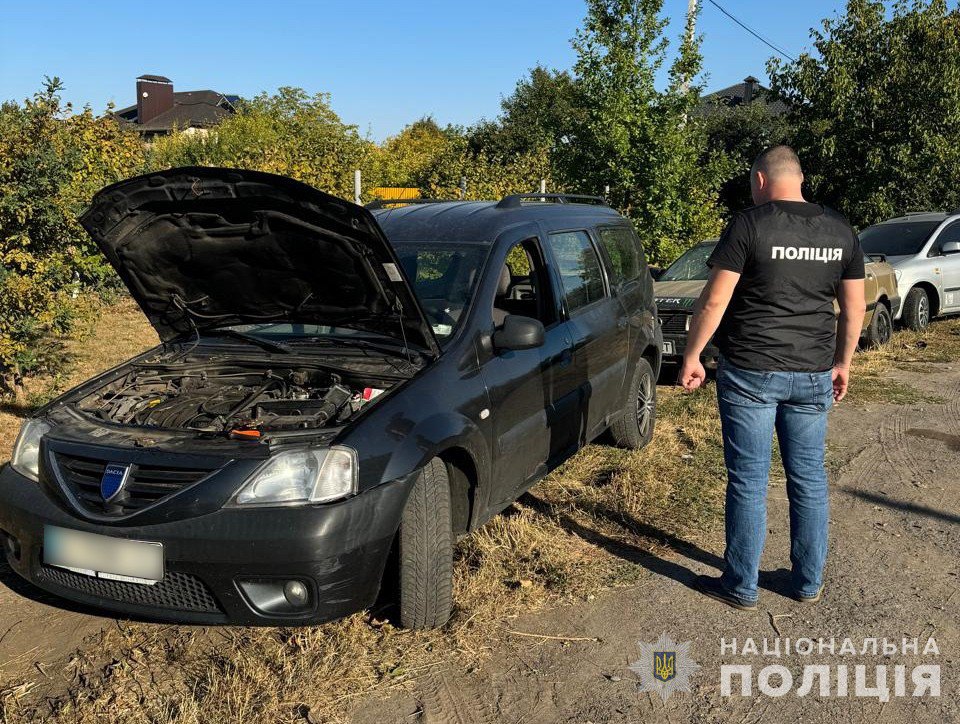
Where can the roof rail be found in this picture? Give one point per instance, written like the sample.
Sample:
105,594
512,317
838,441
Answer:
513,201
380,203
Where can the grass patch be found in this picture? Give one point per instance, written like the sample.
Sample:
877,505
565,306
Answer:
872,379
588,527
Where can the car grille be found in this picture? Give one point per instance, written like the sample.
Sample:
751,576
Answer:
146,484
674,322
177,591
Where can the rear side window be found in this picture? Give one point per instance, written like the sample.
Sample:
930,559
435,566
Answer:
623,250
579,267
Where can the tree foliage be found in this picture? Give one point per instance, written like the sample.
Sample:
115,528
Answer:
51,162
640,141
877,108
289,133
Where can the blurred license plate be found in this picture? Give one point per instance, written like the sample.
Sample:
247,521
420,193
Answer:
666,347
101,556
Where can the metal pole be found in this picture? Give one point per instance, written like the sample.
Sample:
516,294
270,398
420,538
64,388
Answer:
356,186
543,186
463,187
691,33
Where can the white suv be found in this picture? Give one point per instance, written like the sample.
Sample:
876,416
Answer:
924,249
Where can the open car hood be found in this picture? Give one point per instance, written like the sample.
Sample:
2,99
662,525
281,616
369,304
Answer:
201,248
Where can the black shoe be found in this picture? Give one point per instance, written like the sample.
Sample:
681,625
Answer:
808,599
712,587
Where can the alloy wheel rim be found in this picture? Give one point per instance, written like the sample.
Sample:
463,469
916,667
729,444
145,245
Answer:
884,328
923,312
644,404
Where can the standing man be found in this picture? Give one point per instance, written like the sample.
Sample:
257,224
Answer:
785,359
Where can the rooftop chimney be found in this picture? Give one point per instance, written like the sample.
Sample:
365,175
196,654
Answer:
749,89
154,96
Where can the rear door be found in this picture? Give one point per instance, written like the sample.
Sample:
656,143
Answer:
586,392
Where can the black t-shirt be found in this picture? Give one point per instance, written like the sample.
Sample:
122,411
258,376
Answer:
791,256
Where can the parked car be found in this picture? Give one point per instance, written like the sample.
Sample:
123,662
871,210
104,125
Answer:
327,410
924,250
679,285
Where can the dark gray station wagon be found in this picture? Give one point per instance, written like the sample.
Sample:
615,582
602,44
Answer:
339,393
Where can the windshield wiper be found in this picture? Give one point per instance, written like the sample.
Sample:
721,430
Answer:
339,341
252,339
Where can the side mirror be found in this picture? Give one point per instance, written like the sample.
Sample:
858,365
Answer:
655,272
518,333
951,247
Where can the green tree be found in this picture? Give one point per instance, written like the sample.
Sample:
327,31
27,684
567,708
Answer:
877,108
51,163
402,160
644,142
740,133
288,133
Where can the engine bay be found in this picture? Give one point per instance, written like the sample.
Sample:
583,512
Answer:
230,398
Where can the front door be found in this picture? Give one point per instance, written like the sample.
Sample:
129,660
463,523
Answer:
949,267
519,381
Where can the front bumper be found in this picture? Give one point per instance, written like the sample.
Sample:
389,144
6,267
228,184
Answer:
338,549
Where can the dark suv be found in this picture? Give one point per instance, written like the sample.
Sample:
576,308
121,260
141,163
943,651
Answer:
327,409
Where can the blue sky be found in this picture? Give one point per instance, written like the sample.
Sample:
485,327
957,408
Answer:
385,64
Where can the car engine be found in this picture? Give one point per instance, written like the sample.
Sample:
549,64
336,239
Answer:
227,398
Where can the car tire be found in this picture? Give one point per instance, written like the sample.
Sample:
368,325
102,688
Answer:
881,327
426,551
634,428
916,310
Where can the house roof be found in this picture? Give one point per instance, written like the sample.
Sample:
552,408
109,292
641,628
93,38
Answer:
191,109
736,95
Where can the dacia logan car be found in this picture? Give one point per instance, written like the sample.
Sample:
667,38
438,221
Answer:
924,250
678,286
339,393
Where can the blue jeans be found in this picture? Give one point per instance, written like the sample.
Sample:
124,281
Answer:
753,404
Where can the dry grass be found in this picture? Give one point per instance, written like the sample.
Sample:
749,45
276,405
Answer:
593,524
874,378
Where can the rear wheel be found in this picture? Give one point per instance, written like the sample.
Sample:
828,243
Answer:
916,309
634,428
426,551
881,326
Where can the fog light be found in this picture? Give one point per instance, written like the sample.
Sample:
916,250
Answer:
274,597
296,593
11,546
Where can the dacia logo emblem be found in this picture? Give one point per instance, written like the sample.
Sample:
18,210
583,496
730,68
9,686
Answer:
664,665
114,480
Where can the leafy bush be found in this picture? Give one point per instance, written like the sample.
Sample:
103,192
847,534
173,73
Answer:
51,163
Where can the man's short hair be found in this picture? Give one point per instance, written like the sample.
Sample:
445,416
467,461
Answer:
778,161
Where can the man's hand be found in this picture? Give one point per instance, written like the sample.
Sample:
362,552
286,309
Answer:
692,374
841,378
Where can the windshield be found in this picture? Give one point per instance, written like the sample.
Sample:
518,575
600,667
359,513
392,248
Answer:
691,266
444,276
904,238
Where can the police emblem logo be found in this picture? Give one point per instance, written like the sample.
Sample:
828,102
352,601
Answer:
664,666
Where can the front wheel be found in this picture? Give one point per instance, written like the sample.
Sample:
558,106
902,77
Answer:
426,551
916,310
634,428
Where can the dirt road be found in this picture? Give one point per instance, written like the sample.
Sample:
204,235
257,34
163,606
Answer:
893,572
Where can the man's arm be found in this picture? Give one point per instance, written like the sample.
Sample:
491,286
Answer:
853,306
707,314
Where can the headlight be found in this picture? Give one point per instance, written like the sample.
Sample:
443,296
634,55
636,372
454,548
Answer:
301,477
26,450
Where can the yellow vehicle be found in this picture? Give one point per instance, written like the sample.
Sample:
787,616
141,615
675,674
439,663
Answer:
677,287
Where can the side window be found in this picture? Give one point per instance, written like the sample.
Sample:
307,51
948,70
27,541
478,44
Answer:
623,250
579,267
524,286
951,233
